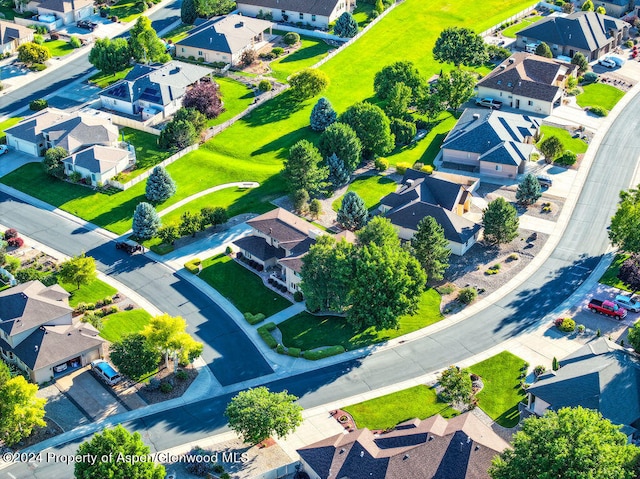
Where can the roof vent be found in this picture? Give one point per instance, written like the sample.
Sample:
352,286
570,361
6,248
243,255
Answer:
342,451
35,348
503,67
511,61
477,447
468,439
406,456
361,453
409,182
476,116
430,438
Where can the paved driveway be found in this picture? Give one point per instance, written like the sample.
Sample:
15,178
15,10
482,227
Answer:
13,160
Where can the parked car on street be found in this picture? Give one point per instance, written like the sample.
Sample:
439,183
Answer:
608,308
128,246
628,303
607,62
489,103
105,372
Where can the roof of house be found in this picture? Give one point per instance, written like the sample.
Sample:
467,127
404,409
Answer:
258,247
157,84
97,158
30,129
583,30
460,448
10,31
64,6
286,228
620,3
29,305
314,7
528,75
79,131
596,376
481,130
230,34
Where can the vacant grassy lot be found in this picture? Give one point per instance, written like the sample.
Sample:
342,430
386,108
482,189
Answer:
8,123
511,31
117,325
370,188
598,94
501,393
58,48
103,80
568,142
311,51
306,331
610,276
386,411
240,286
88,293
236,97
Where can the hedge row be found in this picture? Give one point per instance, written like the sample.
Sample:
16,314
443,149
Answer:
193,266
323,353
254,318
265,334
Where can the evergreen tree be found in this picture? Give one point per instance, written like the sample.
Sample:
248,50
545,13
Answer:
529,190
188,12
543,50
341,140
500,221
431,248
160,185
315,208
580,61
551,148
300,200
338,173
322,115
146,221
177,134
302,171
346,26
353,213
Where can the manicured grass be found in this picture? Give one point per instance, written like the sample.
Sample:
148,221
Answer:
386,411
610,276
88,293
58,48
306,331
501,393
362,12
312,51
117,325
240,286
148,153
125,10
103,80
511,31
8,123
236,97
371,189
568,142
178,33
598,94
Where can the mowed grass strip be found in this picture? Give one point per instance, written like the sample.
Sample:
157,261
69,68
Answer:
610,276
8,123
598,94
103,80
243,288
568,142
58,48
236,96
88,293
118,325
510,32
370,188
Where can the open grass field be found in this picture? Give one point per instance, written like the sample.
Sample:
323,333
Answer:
370,188
88,293
501,393
240,286
103,80
311,52
598,94
58,48
117,325
306,331
8,123
236,97
610,276
568,142
386,411
511,31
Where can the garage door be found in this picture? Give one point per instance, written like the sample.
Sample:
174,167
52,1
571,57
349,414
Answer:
21,145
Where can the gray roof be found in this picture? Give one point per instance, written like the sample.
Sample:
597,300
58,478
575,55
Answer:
64,6
30,129
258,247
10,31
229,34
480,130
80,131
461,448
97,159
582,30
528,75
314,7
601,376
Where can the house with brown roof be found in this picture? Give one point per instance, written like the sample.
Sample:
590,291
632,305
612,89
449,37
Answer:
444,197
39,335
528,82
435,448
315,13
12,36
69,11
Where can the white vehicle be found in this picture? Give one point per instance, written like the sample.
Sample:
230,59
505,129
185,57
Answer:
627,303
4,149
607,62
106,372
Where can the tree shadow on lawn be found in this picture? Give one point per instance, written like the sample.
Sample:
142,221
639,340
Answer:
258,200
278,109
283,143
119,212
304,54
509,418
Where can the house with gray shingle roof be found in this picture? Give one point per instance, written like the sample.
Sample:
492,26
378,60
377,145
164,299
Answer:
444,197
27,136
99,163
590,33
39,335
435,448
602,376
528,82
490,142
315,13
80,131
12,36
69,11
224,39
615,8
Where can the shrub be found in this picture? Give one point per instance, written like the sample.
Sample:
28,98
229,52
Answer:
580,328
114,19
16,242
568,158
54,36
298,297
566,325
181,375
323,353
75,42
446,289
193,265
418,166
11,263
37,105
381,164
91,306
280,349
277,51
599,111
539,370
265,85
10,233
401,168
154,384
291,38
265,334
107,300
218,468
166,387
39,39
513,257
428,169
467,295
590,77
81,307
294,352
629,43
113,309
254,318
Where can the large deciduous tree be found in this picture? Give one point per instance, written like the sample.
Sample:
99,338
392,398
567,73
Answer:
110,55
339,139
257,413
431,103
625,223
210,8
460,46
529,190
455,87
346,26
456,386
629,272
204,97
53,161
398,72
431,248
372,127
551,148
117,444
398,101
403,131
167,334
379,231
500,221
322,115
78,270
160,186
146,221
302,171
308,83
353,213
30,53
145,45
133,356
573,442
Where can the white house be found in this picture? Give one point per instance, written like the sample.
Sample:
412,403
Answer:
99,163
27,135
69,11
316,13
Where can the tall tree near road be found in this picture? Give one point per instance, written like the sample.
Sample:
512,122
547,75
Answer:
30,53
625,223
460,46
456,386
110,55
500,222
146,47
528,191
133,356
188,12
78,270
629,273
146,221
167,334
53,161
431,248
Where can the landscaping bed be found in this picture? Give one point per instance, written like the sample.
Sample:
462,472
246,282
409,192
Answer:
166,375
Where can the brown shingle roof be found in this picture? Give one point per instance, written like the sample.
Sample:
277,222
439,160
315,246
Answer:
286,228
10,31
64,6
314,7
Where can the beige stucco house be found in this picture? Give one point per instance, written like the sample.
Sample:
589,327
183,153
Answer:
316,13
69,11
12,36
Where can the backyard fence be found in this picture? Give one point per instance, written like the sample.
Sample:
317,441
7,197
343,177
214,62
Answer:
311,33
136,124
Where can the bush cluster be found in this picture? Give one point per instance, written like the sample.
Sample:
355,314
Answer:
323,353
193,266
381,164
467,295
254,318
599,111
265,334
401,168
566,325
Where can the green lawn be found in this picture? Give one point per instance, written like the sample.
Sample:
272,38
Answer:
236,97
126,10
240,286
387,411
370,188
511,31
568,142
598,94
312,51
88,293
306,331
501,393
8,123
610,276
58,48
362,12
103,80
178,33
148,153
117,325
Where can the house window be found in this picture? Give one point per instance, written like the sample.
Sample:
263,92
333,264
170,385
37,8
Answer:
530,103
199,53
182,49
301,16
313,18
498,167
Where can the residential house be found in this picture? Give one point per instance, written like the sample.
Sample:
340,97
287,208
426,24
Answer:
69,11
600,375
316,13
590,33
151,89
278,242
528,82
27,137
80,131
615,8
444,197
12,36
459,448
491,142
39,335
99,163
224,39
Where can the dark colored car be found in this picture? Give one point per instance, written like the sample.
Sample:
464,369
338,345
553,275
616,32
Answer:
545,181
87,25
128,246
